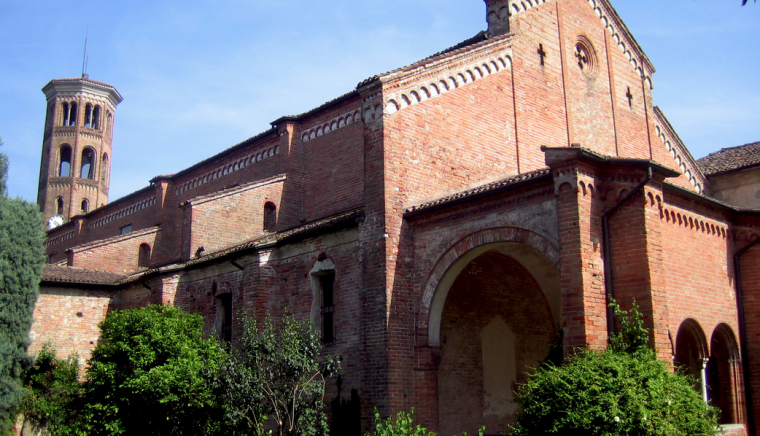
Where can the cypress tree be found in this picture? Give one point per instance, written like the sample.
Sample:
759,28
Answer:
22,257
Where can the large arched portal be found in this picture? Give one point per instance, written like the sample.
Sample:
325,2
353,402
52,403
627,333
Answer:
494,315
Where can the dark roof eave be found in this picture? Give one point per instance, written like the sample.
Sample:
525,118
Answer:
333,102
734,170
351,219
75,284
476,196
586,154
667,186
223,153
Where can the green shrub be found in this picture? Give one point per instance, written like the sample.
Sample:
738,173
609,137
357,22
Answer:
147,376
402,426
279,377
53,393
625,390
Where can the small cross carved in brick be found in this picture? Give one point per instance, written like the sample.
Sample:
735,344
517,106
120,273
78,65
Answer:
629,96
541,53
582,56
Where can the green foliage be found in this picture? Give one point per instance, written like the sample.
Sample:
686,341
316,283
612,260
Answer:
3,172
632,337
147,375
625,390
53,391
277,377
402,426
21,260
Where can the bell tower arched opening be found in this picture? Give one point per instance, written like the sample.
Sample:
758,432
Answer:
73,144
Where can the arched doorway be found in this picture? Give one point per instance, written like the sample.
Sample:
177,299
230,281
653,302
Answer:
494,315
691,354
723,369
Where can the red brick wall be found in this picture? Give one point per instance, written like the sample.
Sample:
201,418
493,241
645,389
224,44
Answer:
118,255
492,285
333,162
69,318
226,219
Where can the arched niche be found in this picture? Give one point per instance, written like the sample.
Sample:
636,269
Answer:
496,322
535,253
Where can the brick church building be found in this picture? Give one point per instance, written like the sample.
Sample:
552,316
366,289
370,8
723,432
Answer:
439,223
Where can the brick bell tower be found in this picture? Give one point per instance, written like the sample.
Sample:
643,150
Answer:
497,16
76,148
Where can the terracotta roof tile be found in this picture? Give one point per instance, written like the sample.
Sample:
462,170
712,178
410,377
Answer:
65,274
302,231
481,190
730,159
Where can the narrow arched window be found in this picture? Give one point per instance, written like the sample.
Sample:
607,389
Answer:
88,115
88,164
59,206
85,206
143,259
73,114
64,114
96,117
723,371
326,282
64,166
108,122
104,169
270,216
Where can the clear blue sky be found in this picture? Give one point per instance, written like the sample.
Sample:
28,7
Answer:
200,76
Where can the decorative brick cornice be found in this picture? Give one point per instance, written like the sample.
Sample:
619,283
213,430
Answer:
123,212
678,151
338,122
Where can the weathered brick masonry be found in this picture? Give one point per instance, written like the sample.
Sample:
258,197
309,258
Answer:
456,207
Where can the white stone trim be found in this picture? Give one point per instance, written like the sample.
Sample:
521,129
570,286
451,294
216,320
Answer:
121,213
680,159
622,40
332,125
227,169
445,82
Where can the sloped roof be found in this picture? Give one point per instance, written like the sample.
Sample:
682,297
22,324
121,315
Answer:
57,274
66,274
480,191
730,159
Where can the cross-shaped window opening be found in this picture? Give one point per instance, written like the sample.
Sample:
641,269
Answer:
541,53
582,56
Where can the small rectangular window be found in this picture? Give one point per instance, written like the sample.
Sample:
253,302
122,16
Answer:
327,282
126,229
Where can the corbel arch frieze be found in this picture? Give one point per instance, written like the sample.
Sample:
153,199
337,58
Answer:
578,179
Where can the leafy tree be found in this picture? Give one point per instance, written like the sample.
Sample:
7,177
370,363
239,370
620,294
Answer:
21,260
277,378
54,394
3,172
624,390
147,375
